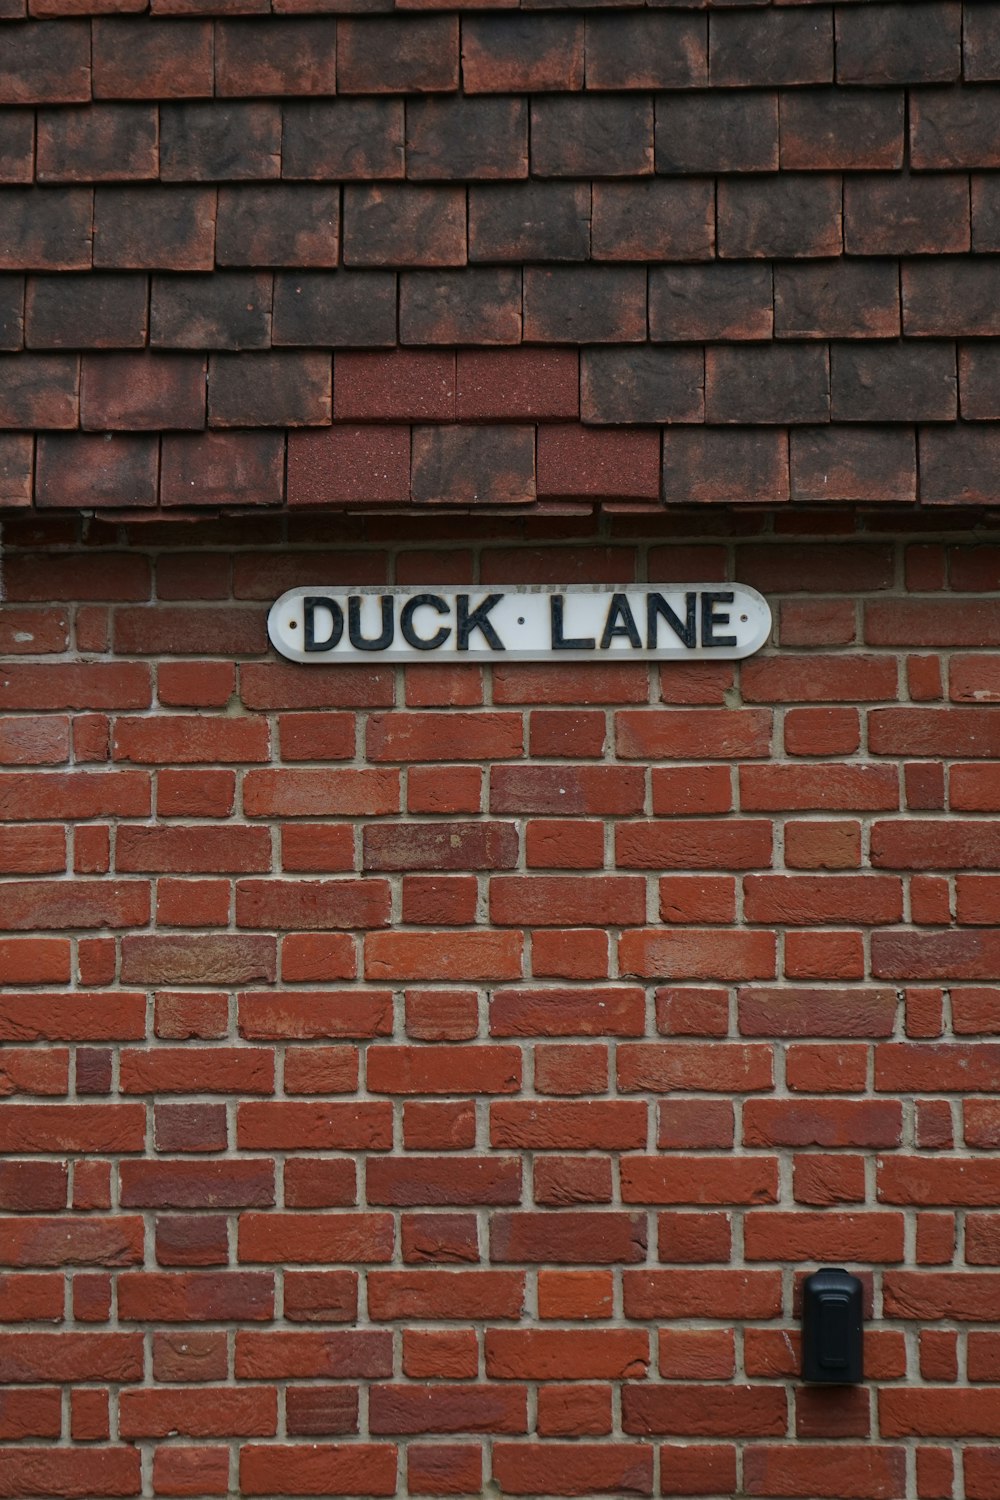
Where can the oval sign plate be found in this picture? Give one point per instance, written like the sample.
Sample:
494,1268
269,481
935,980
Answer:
676,622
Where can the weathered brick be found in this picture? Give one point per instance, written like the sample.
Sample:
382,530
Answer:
794,217
457,139
342,138
400,224
956,464
474,306
838,129
837,299
17,145
352,309
886,215
48,229
584,135
229,310
97,143
954,128
893,382
207,142
720,464
45,62
655,220
390,54
719,301
717,132
269,390
981,43
862,463
222,468
279,225
95,470
82,312
533,220
655,51
39,390
946,300
586,304
156,59
886,43
473,465
299,56
139,391
772,46
154,228
767,383
521,54
642,385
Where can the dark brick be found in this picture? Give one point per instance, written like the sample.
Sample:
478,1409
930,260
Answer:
343,138
955,127
589,461
349,466
297,55
772,46
97,143
11,312
397,54
838,128
892,43
985,212
837,299
351,308
979,381
404,225
720,301
724,464
270,390
90,471
152,59
46,229
154,228
642,385
591,135
901,382
219,142
652,51
794,217
280,224
906,215
16,469
521,54
654,220
856,464
39,390
17,145
320,1410
959,465
142,391
86,312
229,310
45,62
222,468
951,298
981,41
454,139
530,221
585,305
717,132
400,385
474,306
507,384
473,465
766,383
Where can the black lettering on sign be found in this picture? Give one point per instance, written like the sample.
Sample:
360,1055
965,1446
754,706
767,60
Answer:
418,642
467,621
620,621
710,618
362,643
560,642
657,606
310,604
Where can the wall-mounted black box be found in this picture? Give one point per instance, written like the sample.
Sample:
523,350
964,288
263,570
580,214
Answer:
832,1328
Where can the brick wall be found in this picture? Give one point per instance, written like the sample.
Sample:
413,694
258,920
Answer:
437,1082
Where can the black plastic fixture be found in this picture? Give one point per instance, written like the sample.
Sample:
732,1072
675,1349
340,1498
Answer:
832,1328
